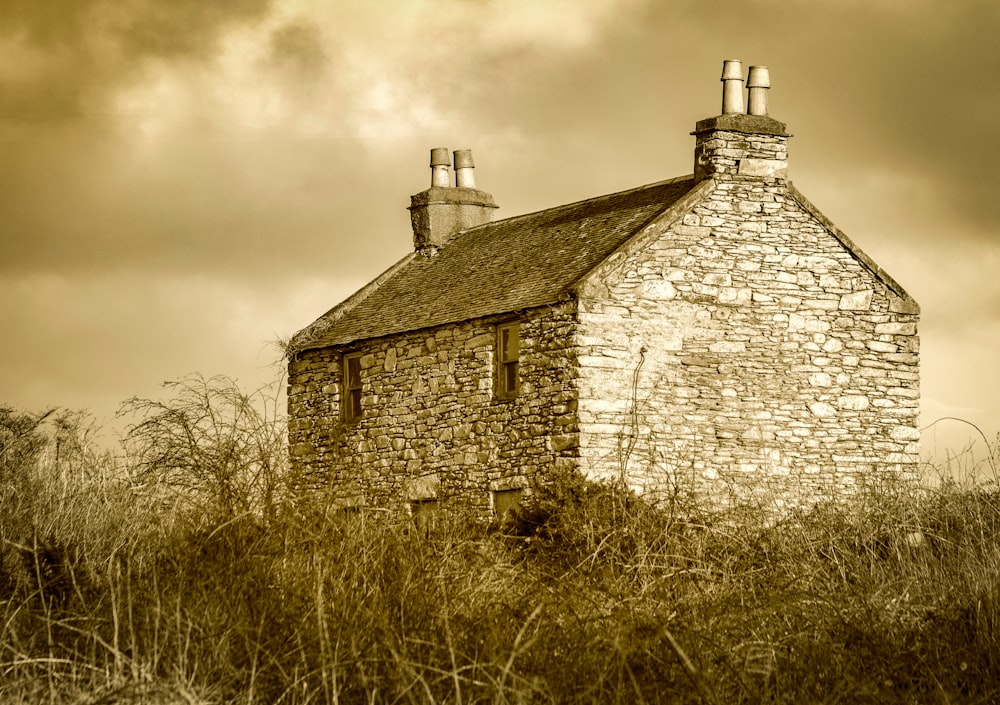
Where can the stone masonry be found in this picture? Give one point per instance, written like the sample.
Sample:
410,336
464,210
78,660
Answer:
766,359
435,427
712,334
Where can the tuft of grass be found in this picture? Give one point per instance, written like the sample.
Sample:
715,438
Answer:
119,583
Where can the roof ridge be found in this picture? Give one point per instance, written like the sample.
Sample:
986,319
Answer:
574,204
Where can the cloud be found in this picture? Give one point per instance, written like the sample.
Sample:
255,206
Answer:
91,342
67,56
297,47
184,137
206,161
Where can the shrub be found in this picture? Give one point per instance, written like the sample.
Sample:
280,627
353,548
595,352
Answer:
213,445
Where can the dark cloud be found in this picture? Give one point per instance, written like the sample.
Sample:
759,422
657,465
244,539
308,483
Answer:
48,24
912,89
83,189
925,91
180,28
205,203
300,48
74,53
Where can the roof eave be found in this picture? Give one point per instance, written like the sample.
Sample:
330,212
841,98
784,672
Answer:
311,336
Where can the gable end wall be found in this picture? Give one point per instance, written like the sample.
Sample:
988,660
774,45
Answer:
745,353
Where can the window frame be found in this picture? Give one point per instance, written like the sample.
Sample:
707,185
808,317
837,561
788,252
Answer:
424,513
503,506
351,408
506,362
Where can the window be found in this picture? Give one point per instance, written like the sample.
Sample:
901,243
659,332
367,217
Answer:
506,502
424,513
351,398
508,354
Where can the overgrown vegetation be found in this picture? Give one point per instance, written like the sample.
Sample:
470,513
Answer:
183,571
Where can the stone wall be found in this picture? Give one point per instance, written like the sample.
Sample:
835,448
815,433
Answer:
740,347
431,425
746,352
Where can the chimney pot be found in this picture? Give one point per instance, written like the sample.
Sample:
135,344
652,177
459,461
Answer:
758,81
732,86
464,175
440,164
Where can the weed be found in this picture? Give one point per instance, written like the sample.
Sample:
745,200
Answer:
182,573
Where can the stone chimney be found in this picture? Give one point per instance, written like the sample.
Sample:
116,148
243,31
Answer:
735,144
443,210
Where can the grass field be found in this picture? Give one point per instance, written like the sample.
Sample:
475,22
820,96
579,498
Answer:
184,570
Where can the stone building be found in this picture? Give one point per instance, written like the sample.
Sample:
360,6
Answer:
713,333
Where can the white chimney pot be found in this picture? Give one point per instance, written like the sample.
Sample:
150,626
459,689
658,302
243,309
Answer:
464,175
440,165
758,82
732,86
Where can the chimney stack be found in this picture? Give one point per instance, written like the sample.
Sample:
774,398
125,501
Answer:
737,145
442,211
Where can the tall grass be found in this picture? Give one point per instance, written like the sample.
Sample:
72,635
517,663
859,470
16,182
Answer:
124,581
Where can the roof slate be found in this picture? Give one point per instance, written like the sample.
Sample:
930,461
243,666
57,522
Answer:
507,265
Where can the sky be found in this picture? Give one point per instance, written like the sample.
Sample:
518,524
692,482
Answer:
183,183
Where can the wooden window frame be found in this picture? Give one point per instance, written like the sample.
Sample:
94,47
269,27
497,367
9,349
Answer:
352,389
506,502
508,361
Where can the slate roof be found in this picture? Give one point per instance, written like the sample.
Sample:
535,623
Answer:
507,265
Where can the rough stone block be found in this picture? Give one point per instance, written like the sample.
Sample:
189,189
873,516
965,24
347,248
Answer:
727,346
772,168
820,379
479,341
904,433
561,442
900,305
816,325
822,409
854,402
693,230
658,290
856,301
903,358
881,347
821,304
896,328
737,297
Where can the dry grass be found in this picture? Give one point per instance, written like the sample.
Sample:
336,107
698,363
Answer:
118,587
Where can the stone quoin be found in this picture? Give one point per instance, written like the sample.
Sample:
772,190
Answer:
713,332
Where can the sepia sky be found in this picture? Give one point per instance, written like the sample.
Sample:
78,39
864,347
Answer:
182,182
